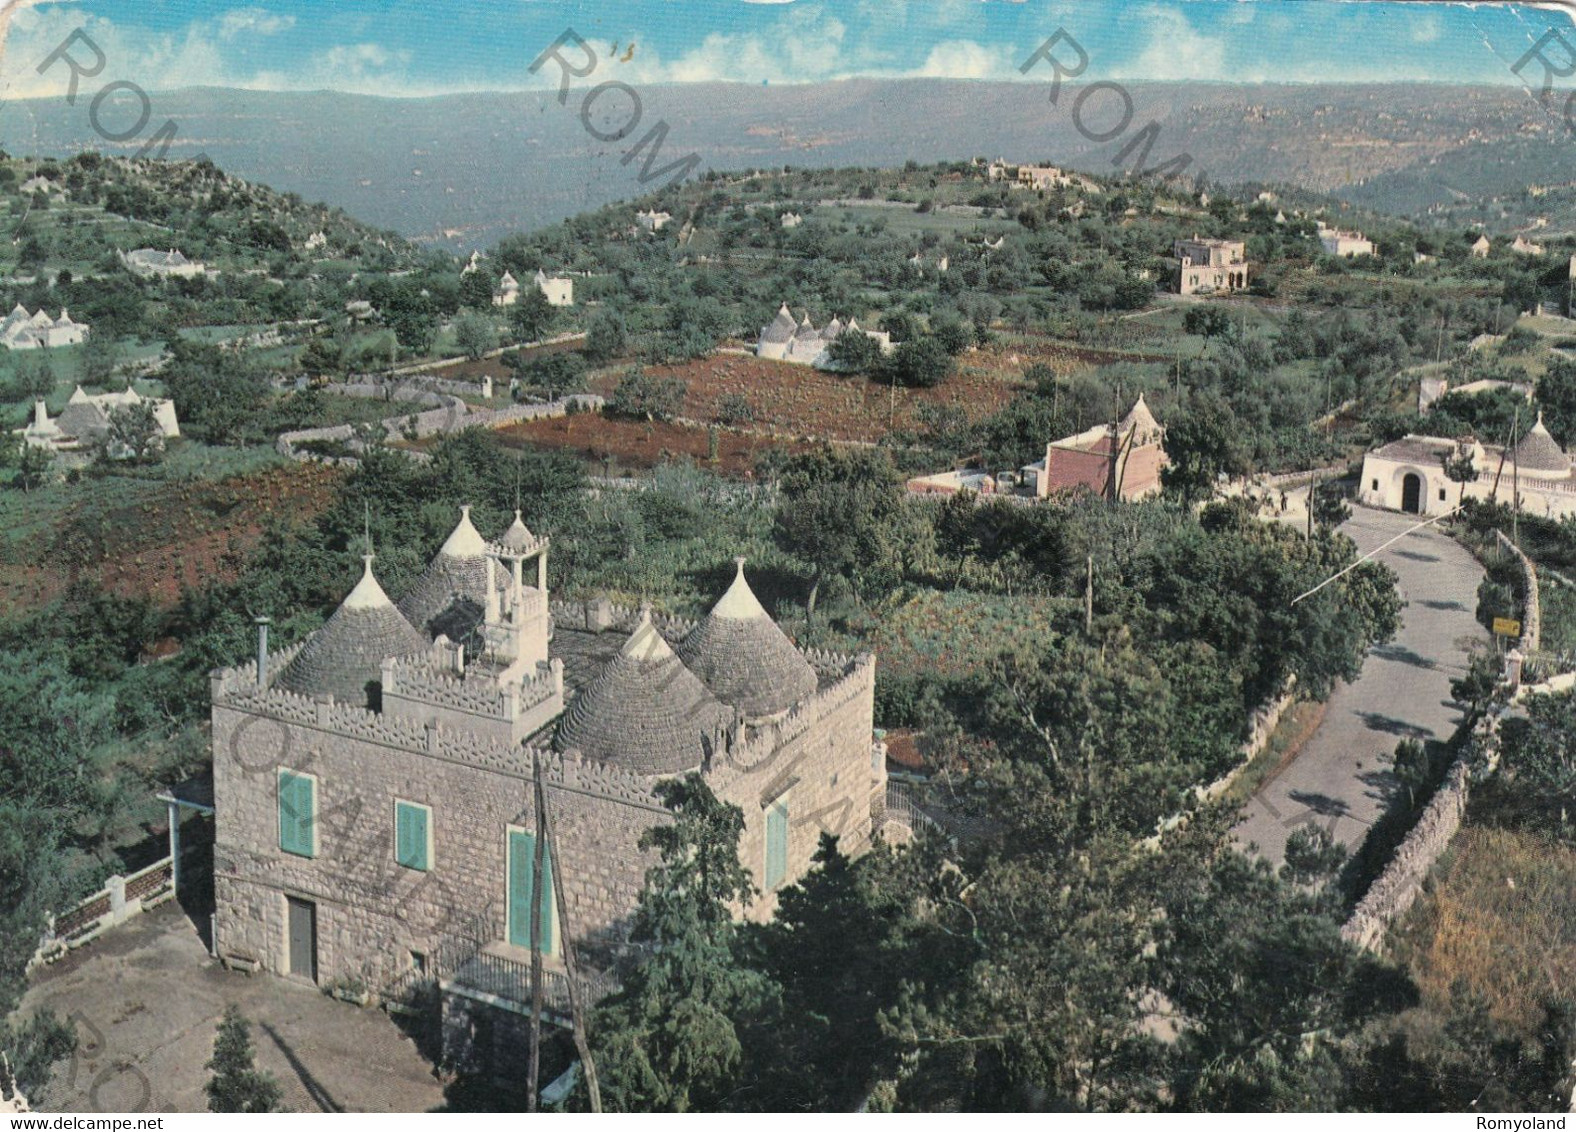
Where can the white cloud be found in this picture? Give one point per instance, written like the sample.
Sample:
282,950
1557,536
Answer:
253,21
1176,50
965,59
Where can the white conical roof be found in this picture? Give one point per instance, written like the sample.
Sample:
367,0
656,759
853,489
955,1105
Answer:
465,541
518,536
460,570
744,658
645,711
346,655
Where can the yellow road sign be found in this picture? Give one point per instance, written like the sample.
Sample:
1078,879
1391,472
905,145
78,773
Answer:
1505,627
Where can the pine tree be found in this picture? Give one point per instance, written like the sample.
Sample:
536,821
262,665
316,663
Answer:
237,1085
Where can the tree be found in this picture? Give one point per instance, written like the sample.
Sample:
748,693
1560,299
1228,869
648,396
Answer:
324,356
669,1039
608,336
32,466
1557,399
476,290
1413,768
533,316
854,351
33,1046
475,334
237,1085
1538,758
1460,470
640,396
219,394
1202,442
919,363
100,355
841,513
1330,508
413,317
134,434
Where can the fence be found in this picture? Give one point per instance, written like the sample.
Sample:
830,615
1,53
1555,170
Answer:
475,962
119,900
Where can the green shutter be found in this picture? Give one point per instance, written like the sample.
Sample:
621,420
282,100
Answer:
410,835
297,813
776,844
522,862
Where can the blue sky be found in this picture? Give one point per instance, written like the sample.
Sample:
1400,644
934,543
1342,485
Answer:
423,47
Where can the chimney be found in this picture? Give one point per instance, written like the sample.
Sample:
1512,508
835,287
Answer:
262,651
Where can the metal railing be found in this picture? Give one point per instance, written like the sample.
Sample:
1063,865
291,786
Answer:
469,962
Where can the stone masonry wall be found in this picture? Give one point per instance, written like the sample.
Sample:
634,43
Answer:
371,911
818,759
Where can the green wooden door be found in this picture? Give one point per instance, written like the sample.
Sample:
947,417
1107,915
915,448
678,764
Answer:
522,859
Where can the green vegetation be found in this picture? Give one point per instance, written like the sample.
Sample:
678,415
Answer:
237,1085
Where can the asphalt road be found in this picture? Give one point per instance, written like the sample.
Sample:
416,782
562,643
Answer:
1341,778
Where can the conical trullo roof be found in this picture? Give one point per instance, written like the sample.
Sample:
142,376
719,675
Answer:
348,652
1140,418
1539,452
518,536
644,711
744,658
461,569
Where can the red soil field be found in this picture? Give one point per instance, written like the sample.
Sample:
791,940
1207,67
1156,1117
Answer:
183,537
632,445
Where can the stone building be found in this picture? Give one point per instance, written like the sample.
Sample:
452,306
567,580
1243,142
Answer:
20,330
1208,266
1408,474
800,342
560,290
172,264
1115,461
1344,245
507,293
374,784
86,419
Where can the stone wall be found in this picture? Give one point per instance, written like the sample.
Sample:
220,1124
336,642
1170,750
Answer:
818,759
451,415
1261,725
1531,605
1398,886
373,913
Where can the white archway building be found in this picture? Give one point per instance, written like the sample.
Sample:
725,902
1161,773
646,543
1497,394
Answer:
1409,474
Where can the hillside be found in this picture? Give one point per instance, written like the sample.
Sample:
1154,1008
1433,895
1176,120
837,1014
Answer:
464,170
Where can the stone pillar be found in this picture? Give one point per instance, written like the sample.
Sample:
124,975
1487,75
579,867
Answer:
117,897
487,388
1513,663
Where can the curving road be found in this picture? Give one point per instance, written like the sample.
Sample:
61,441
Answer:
1341,777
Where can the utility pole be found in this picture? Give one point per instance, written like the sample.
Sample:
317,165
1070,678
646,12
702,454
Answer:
534,1066
576,1009
1089,596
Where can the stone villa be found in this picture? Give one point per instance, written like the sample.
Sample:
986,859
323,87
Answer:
1210,266
1409,474
785,340
374,784
1115,461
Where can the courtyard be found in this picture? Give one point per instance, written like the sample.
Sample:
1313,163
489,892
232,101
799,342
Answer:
146,999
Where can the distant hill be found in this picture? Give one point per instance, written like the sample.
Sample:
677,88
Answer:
464,170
